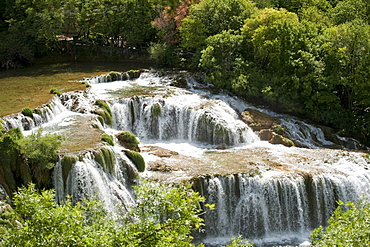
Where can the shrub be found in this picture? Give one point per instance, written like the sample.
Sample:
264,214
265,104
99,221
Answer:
137,159
27,112
108,139
128,140
346,227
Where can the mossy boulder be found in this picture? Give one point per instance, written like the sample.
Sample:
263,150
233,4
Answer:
128,140
27,112
104,111
134,73
105,158
136,159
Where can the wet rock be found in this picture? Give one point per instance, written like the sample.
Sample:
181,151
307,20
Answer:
267,127
160,152
160,167
257,120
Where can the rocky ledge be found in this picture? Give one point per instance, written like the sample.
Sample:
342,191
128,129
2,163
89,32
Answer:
267,127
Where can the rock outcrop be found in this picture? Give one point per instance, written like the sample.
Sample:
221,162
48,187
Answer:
266,126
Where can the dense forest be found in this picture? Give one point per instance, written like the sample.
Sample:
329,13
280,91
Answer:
308,58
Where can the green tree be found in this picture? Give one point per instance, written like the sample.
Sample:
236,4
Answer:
222,59
348,226
164,215
209,18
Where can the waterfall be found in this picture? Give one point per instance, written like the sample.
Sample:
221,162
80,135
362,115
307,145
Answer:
88,178
276,204
181,117
41,115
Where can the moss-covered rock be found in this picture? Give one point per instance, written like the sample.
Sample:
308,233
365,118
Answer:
27,112
137,159
104,111
105,158
128,140
108,139
67,162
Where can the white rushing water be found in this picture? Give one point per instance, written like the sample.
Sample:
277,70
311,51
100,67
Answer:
272,194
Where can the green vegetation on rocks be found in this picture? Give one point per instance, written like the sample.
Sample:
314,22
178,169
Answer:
67,162
27,159
128,140
54,91
137,159
104,111
108,139
105,158
27,112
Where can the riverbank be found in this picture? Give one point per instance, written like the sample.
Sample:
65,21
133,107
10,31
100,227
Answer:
30,86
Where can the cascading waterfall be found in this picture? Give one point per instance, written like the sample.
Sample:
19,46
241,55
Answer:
276,205
40,116
87,178
185,117
259,205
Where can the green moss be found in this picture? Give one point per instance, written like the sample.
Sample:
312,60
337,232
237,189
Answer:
137,159
67,162
157,109
108,139
106,159
54,91
128,140
27,112
105,111
279,129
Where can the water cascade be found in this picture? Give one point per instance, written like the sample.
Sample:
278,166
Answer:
268,193
106,178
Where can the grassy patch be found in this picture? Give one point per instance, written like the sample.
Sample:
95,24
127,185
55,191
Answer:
40,78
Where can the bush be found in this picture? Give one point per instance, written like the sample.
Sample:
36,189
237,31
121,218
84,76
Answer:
128,140
137,159
346,227
27,112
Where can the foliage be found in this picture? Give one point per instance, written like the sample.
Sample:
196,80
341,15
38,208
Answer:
108,139
346,227
27,112
137,159
164,54
37,220
40,152
164,215
26,159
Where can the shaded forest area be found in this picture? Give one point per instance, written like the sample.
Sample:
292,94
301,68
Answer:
310,58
